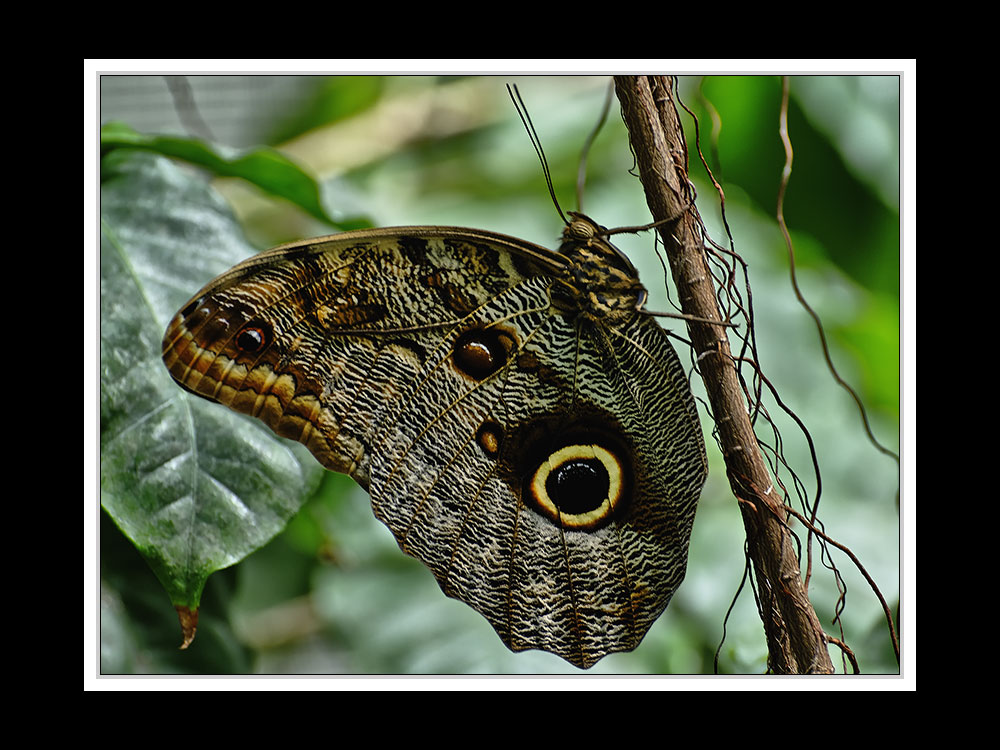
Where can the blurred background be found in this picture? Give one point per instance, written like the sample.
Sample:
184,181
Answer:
333,594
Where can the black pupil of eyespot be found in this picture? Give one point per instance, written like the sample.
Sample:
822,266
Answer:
250,339
477,358
578,486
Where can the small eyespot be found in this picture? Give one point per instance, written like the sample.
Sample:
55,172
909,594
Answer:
191,306
479,353
251,339
489,437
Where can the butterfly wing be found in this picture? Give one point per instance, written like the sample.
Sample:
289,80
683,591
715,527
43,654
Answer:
316,338
432,366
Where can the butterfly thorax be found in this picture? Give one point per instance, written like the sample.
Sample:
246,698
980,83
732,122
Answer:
600,283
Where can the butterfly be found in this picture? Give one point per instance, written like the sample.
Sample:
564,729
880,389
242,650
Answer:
522,426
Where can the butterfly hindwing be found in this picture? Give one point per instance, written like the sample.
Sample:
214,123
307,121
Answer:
535,446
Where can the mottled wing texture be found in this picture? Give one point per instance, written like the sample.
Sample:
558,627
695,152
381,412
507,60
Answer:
432,365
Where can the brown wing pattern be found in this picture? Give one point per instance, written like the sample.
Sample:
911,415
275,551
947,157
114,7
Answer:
541,456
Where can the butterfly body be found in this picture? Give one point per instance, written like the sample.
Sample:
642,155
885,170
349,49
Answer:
522,427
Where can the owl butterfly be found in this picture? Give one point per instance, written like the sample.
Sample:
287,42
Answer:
522,426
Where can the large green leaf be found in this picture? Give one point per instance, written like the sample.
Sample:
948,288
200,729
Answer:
195,487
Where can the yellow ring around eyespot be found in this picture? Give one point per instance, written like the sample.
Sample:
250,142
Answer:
571,452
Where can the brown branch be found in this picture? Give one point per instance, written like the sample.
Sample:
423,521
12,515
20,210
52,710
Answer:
796,641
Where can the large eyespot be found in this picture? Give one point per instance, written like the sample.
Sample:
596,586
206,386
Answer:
579,487
480,352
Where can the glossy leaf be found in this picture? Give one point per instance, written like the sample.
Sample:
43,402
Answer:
194,487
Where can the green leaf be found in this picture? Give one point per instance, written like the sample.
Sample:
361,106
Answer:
138,635
195,487
262,166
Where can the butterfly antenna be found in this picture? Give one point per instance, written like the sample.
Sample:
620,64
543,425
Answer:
581,175
522,111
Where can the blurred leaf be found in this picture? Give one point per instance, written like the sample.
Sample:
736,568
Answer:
874,339
825,198
262,166
335,98
195,487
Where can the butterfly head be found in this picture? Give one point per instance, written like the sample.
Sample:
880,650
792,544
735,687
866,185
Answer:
601,281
